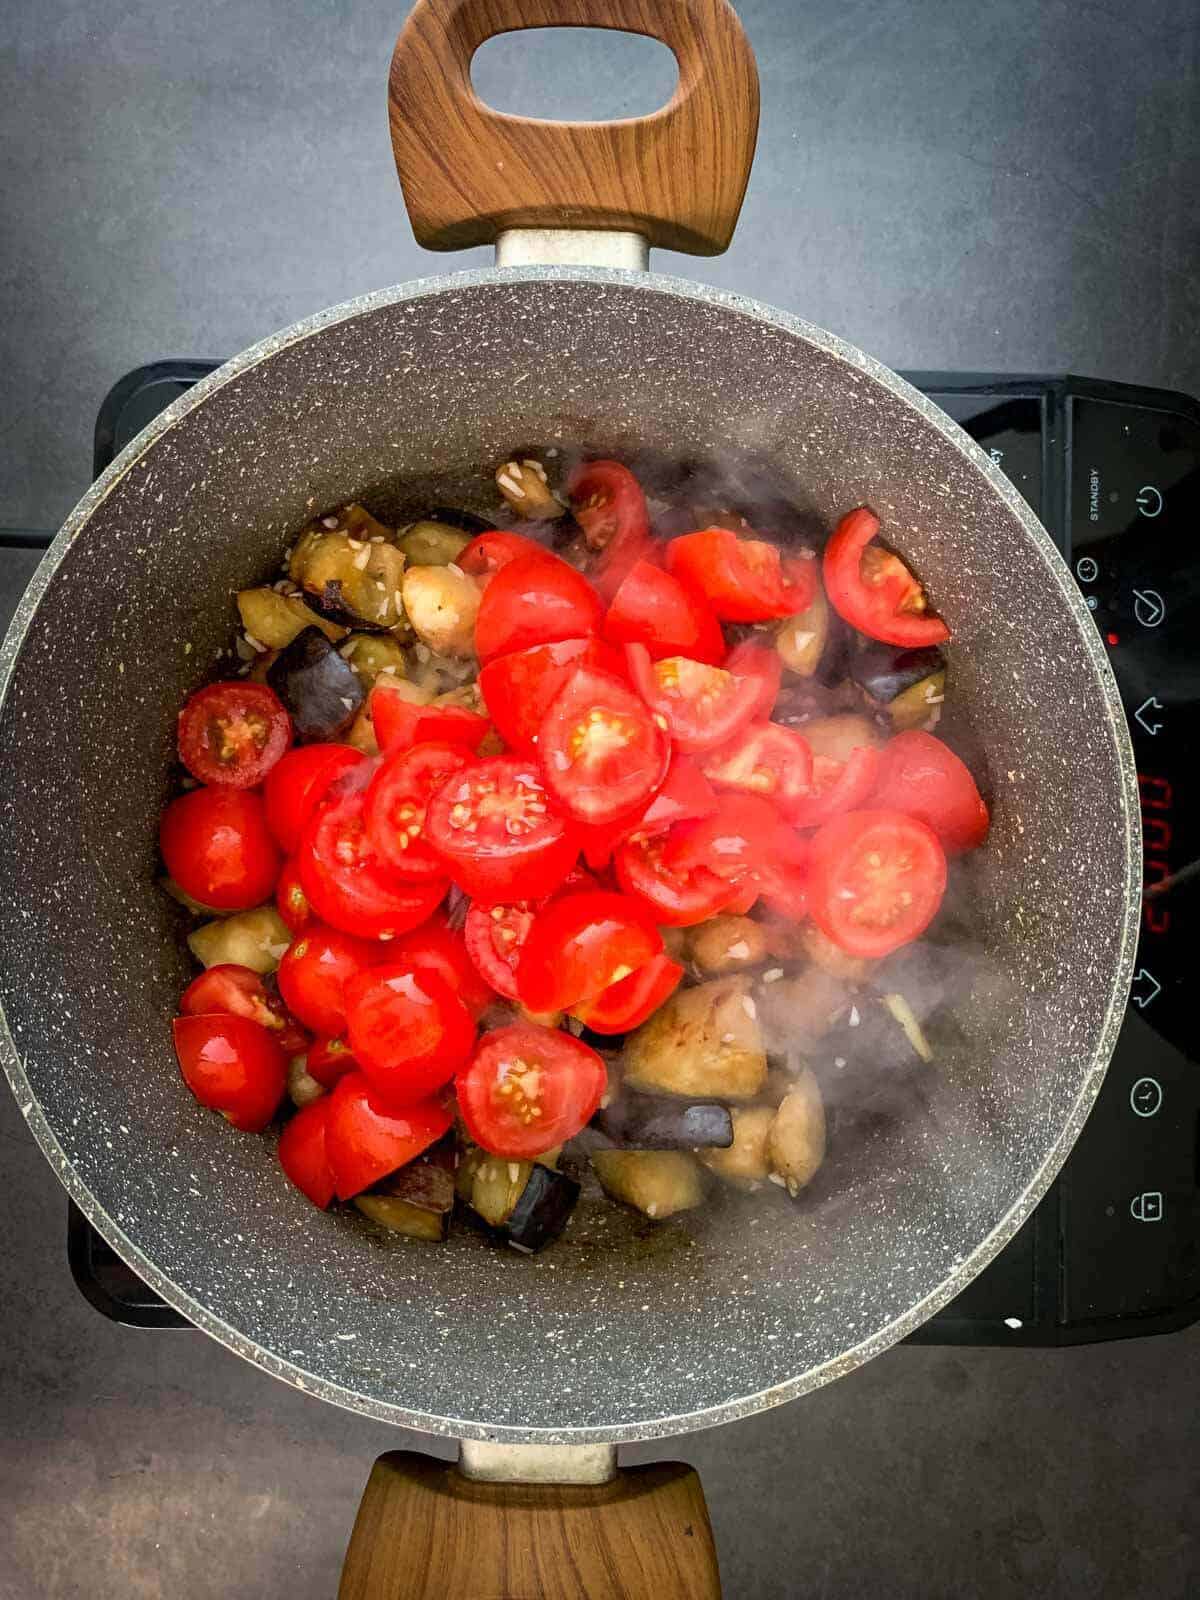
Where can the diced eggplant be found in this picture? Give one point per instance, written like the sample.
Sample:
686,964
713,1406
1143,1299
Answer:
372,654
796,1137
797,1011
254,939
361,732
920,706
703,1043
275,619
417,1200
727,944
837,736
318,688
456,517
658,1183
908,684
441,604
181,897
830,957
542,1211
872,1061
350,572
526,1202
302,1087
743,1161
801,639
648,1122
432,544
526,488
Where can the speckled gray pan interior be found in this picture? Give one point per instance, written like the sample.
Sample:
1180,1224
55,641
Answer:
620,1330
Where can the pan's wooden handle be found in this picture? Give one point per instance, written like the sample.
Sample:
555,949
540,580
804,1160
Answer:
425,1531
677,176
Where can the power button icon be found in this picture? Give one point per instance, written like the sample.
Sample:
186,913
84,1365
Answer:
1146,1097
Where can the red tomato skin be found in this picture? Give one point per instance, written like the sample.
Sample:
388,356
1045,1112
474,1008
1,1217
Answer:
399,724
500,974
868,608
314,972
436,948
782,880
734,841
534,600
742,580
366,1137
694,727
329,1058
685,794
652,608
923,777
609,505
518,688
303,1156
581,943
498,867
764,759
233,1066
290,898
298,782
398,794
199,736
572,1083
763,666
408,1030
835,843
237,991
346,883
848,791
488,552
630,1002
218,848
673,899
616,784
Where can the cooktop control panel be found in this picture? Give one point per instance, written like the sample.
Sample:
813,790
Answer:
1114,474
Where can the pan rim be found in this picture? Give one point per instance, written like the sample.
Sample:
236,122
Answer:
1118,731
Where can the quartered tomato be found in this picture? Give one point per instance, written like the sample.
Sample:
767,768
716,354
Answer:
239,992
581,943
627,1003
872,589
488,552
702,706
435,947
290,898
782,879
762,665
685,793
601,753
922,777
527,1089
743,580
609,505
299,781
233,733
494,827
674,898
303,1156
218,848
518,688
348,883
876,880
732,843
652,608
836,786
495,935
315,970
233,1066
399,723
764,759
534,600
396,803
366,1137
328,1059
408,1030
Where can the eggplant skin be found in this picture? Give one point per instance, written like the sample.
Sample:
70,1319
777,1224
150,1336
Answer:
542,1211
884,673
319,689
645,1122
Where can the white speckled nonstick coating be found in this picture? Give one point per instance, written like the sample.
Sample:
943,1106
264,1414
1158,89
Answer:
620,1330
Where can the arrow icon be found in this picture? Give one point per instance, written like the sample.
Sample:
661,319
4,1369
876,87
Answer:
1148,607
1154,988
1152,704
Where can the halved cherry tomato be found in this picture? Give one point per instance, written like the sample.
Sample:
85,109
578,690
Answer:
763,666
488,552
743,896
764,759
396,803
782,879
495,935
218,848
233,733
328,1059
494,827
315,970
233,1066
627,1003
675,899
299,781
837,786
876,880
434,947
303,1156
873,590
652,608
581,943
408,1030
399,724
527,1089
735,841
686,793
239,992
347,882
922,777
601,753
702,706
366,1137
534,600
290,898
608,504
743,580
519,687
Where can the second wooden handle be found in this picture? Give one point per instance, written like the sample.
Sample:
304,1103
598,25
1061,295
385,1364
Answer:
676,176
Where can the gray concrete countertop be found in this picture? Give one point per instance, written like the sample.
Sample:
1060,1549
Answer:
1011,187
